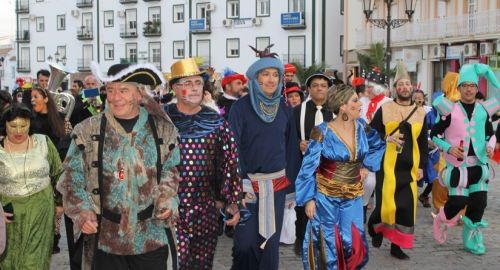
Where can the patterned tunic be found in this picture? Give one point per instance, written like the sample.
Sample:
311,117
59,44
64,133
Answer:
209,172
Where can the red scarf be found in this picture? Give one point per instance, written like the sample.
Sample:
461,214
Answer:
372,107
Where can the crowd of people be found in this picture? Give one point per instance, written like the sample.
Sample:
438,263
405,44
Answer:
149,170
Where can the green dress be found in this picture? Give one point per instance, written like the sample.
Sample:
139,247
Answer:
26,181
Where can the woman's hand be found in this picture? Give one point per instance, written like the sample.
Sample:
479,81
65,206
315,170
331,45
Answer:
8,217
420,174
303,146
363,173
233,210
311,209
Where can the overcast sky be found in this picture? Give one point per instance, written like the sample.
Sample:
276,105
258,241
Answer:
7,18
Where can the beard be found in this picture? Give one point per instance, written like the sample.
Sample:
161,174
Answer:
403,97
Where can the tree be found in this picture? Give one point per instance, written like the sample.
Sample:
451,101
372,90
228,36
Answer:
304,72
374,58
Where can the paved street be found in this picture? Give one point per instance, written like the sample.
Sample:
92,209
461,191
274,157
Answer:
426,254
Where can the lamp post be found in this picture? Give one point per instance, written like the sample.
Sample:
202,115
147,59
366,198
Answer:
388,23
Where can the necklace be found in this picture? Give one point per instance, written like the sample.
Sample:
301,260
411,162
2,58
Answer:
7,143
269,110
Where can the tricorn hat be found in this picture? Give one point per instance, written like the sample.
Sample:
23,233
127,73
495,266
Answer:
184,68
146,74
376,76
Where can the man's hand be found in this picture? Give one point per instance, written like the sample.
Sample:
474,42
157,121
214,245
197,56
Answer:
233,210
164,213
457,152
88,222
303,146
89,227
248,197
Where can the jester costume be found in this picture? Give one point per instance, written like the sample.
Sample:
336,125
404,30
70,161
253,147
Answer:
335,238
466,179
209,172
396,187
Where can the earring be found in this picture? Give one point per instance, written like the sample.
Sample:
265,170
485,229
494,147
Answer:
345,117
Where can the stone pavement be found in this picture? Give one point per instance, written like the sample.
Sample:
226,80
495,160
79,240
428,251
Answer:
426,254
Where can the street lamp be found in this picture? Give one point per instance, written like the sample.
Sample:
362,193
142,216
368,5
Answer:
49,58
388,23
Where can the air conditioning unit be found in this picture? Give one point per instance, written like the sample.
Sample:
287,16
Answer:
437,51
256,21
210,7
227,22
485,48
75,13
470,49
120,13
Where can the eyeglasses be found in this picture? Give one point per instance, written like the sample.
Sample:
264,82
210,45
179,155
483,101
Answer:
245,215
189,84
467,85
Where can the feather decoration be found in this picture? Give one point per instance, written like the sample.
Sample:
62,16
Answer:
310,251
321,250
266,52
228,72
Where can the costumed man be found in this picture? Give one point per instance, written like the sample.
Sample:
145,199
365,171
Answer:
232,85
265,132
120,179
375,87
402,124
208,168
308,115
290,71
467,144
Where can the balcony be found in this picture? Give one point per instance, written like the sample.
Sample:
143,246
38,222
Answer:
128,60
83,64
152,29
200,26
84,33
128,1
128,30
23,36
23,66
293,20
482,25
22,6
84,3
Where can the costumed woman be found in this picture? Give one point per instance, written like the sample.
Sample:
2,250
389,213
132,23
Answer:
330,184
29,163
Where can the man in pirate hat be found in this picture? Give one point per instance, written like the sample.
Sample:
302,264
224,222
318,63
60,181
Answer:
208,169
402,123
120,181
465,134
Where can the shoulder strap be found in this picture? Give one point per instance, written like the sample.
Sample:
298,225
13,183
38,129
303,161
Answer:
404,120
302,120
157,144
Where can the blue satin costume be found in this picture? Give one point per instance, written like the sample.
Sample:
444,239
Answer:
338,210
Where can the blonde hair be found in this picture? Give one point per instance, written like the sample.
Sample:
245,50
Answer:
338,96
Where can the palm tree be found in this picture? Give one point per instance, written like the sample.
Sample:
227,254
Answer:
304,72
374,58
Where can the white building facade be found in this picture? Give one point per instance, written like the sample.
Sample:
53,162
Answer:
218,32
443,36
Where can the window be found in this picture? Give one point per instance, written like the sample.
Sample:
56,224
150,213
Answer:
155,54
178,13
203,51
61,50
40,54
341,45
24,59
86,27
109,51
262,42
131,20
61,22
109,19
233,9
40,24
296,50
296,6
233,48
341,7
263,8
131,52
154,14
178,49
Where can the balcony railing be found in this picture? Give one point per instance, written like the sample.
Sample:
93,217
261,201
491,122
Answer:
153,30
84,33
459,27
83,64
84,3
23,36
23,66
127,32
128,1
22,6
129,60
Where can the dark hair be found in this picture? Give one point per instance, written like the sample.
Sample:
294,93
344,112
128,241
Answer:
79,82
12,112
360,89
43,72
479,95
5,99
55,120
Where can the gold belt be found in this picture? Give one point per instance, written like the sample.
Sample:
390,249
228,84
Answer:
335,188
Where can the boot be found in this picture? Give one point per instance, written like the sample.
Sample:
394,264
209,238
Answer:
397,253
439,220
424,201
473,236
55,248
376,237
297,247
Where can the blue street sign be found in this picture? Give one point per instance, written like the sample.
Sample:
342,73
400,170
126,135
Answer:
196,24
290,18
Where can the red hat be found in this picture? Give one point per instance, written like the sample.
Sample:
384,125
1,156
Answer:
230,76
357,81
290,68
293,87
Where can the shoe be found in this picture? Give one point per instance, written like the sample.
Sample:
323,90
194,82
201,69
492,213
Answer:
55,247
424,201
229,231
297,247
472,236
376,237
441,225
397,253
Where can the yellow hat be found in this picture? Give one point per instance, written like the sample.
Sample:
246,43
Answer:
27,85
184,68
450,83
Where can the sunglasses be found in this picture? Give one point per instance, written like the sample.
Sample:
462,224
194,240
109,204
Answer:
245,215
